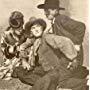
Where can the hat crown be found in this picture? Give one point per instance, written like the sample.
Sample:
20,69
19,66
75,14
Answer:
52,2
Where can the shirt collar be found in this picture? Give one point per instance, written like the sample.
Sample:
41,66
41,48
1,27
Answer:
52,22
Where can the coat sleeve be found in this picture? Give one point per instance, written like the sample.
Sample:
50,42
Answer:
5,46
26,44
71,28
65,45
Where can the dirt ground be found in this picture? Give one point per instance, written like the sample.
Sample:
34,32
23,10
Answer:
14,84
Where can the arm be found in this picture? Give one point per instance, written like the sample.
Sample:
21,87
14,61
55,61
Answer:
7,49
72,29
3,43
26,44
64,44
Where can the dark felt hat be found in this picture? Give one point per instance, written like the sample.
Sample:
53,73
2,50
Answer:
52,4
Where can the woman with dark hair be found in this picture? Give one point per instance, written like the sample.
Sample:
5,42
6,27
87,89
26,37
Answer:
12,37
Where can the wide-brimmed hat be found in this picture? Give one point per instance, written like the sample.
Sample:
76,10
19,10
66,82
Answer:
52,4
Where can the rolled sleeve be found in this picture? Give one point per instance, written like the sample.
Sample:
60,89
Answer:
65,45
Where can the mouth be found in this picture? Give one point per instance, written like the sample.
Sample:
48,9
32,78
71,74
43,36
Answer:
36,33
47,15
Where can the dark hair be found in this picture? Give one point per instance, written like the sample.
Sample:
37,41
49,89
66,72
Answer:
29,24
16,19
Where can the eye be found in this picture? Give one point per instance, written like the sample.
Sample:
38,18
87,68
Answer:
32,27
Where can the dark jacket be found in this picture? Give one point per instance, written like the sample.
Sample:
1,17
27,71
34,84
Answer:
65,26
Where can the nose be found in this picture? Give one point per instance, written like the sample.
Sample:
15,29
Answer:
37,31
46,13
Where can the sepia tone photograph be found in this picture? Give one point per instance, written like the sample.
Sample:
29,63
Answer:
44,45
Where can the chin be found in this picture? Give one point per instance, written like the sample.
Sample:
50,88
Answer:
37,36
18,34
50,18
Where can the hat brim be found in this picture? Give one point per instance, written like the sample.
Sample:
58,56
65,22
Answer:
43,6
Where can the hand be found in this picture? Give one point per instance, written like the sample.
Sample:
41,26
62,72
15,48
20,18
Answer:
25,65
7,62
73,65
77,47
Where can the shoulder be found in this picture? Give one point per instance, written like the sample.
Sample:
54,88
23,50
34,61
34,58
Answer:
5,34
48,36
63,18
55,38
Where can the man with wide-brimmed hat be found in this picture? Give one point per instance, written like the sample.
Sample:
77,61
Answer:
65,26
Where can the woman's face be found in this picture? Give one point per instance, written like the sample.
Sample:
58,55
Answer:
37,30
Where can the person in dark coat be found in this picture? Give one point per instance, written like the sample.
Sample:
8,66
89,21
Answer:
64,26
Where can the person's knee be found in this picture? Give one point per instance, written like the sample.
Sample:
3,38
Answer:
18,72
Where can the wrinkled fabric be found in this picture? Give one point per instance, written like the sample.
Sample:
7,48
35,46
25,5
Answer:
9,41
65,45
72,29
56,51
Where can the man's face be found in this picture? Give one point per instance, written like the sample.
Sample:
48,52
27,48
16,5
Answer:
37,30
50,13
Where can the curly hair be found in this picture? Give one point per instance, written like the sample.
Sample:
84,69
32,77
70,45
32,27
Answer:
16,19
29,24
